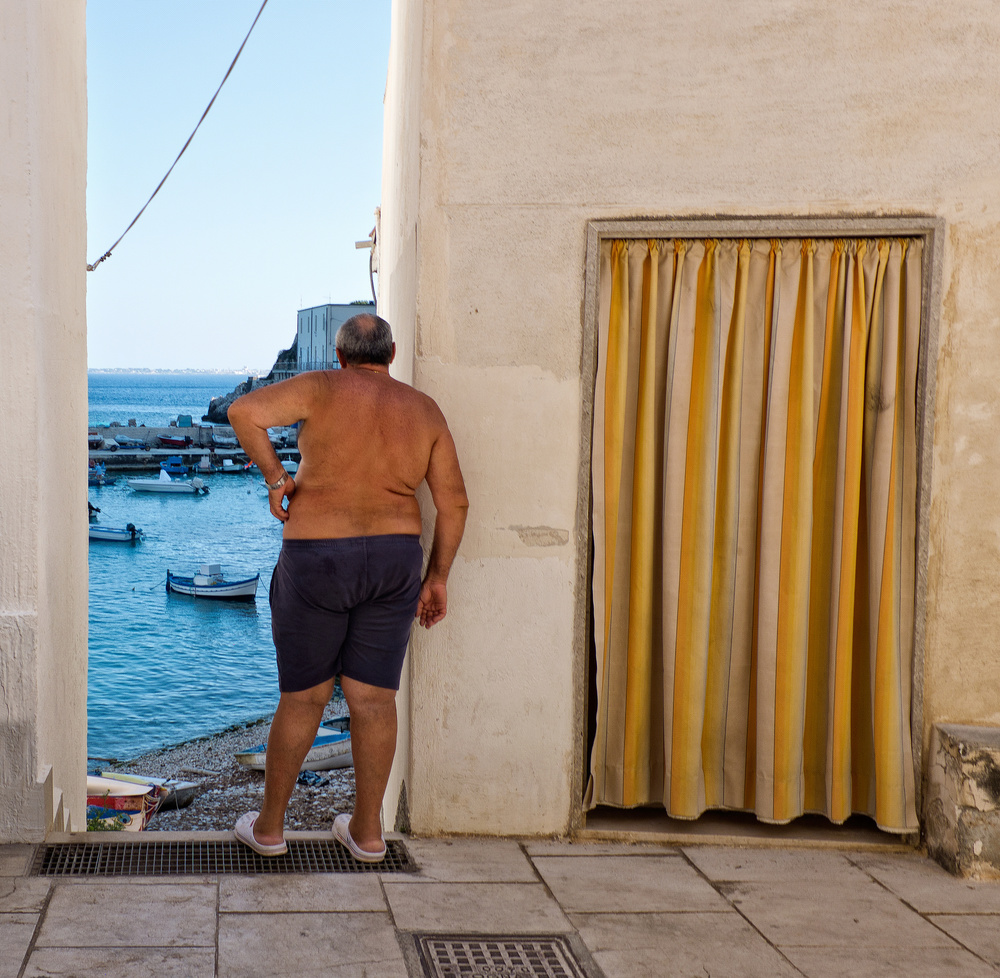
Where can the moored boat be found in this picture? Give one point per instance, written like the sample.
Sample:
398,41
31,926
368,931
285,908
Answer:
210,582
126,441
175,441
331,749
129,533
174,465
119,805
165,484
173,793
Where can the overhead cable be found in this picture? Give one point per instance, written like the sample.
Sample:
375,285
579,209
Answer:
107,254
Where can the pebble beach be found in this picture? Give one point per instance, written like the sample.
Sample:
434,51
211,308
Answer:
228,789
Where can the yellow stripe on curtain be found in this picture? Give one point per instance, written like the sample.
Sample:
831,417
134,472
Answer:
754,472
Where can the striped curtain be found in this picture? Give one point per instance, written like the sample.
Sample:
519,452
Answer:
754,486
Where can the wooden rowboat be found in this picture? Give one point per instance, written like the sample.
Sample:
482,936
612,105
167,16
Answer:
209,582
331,749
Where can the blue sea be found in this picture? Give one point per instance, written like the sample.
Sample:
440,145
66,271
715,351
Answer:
163,668
153,399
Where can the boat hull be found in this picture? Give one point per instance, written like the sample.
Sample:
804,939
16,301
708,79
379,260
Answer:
173,793
155,485
115,534
245,590
329,751
121,806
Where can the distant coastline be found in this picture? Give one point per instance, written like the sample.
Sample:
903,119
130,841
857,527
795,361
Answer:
241,371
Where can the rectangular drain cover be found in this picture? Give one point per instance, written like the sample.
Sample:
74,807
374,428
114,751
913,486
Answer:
498,956
208,858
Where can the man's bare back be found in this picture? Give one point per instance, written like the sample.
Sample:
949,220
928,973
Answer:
366,443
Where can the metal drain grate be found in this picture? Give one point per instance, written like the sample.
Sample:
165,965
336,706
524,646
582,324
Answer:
208,858
446,956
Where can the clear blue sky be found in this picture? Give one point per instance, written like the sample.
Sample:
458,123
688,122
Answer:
260,216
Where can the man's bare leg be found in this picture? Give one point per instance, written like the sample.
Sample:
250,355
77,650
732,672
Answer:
292,733
373,743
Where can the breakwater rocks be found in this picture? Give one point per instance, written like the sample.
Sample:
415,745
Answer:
284,366
218,407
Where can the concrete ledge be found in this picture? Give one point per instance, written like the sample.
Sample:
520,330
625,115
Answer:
962,813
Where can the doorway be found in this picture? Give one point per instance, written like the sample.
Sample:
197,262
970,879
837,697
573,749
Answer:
760,449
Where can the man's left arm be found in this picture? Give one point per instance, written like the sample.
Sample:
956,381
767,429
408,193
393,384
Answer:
252,414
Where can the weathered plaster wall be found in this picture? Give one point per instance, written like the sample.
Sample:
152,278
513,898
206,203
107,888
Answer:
397,262
43,571
535,118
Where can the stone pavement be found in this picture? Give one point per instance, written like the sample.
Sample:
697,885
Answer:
627,911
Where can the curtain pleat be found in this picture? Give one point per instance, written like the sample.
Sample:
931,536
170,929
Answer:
754,485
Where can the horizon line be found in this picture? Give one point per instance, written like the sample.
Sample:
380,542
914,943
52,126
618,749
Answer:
177,370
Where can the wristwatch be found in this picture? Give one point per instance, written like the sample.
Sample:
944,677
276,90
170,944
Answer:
277,485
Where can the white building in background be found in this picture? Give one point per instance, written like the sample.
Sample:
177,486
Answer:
317,330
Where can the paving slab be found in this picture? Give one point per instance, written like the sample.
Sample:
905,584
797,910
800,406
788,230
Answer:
679,945
15,938
320,893
469,908
467,861
881,962
831,915
16,859
126,914
779,865
572,847
20,894
930,888
123,962
309,945
980,933
626,884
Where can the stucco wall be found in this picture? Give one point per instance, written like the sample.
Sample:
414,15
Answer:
43,573
535,118
397,258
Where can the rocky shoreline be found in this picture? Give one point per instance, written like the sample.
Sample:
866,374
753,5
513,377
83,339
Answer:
228,789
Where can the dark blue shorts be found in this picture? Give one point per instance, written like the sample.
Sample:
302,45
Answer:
344,607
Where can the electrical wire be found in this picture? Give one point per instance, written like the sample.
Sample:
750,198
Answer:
107,254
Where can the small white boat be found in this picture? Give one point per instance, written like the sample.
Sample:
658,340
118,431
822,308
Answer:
331,749
120,805
129,533
209,582
173,792
165,484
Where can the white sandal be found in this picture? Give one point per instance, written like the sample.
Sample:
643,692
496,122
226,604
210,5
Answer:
244,834
342,833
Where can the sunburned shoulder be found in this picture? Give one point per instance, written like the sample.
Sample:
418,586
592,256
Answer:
340,381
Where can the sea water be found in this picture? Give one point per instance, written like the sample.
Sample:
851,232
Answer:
166,668
153,399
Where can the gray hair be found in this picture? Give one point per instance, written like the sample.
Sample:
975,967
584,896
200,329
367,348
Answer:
365,338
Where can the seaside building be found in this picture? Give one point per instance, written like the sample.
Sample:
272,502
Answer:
317,330
546,179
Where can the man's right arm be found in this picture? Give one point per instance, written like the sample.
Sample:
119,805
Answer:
444,479
252,414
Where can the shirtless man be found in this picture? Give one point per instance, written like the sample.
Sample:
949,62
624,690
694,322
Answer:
347,584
